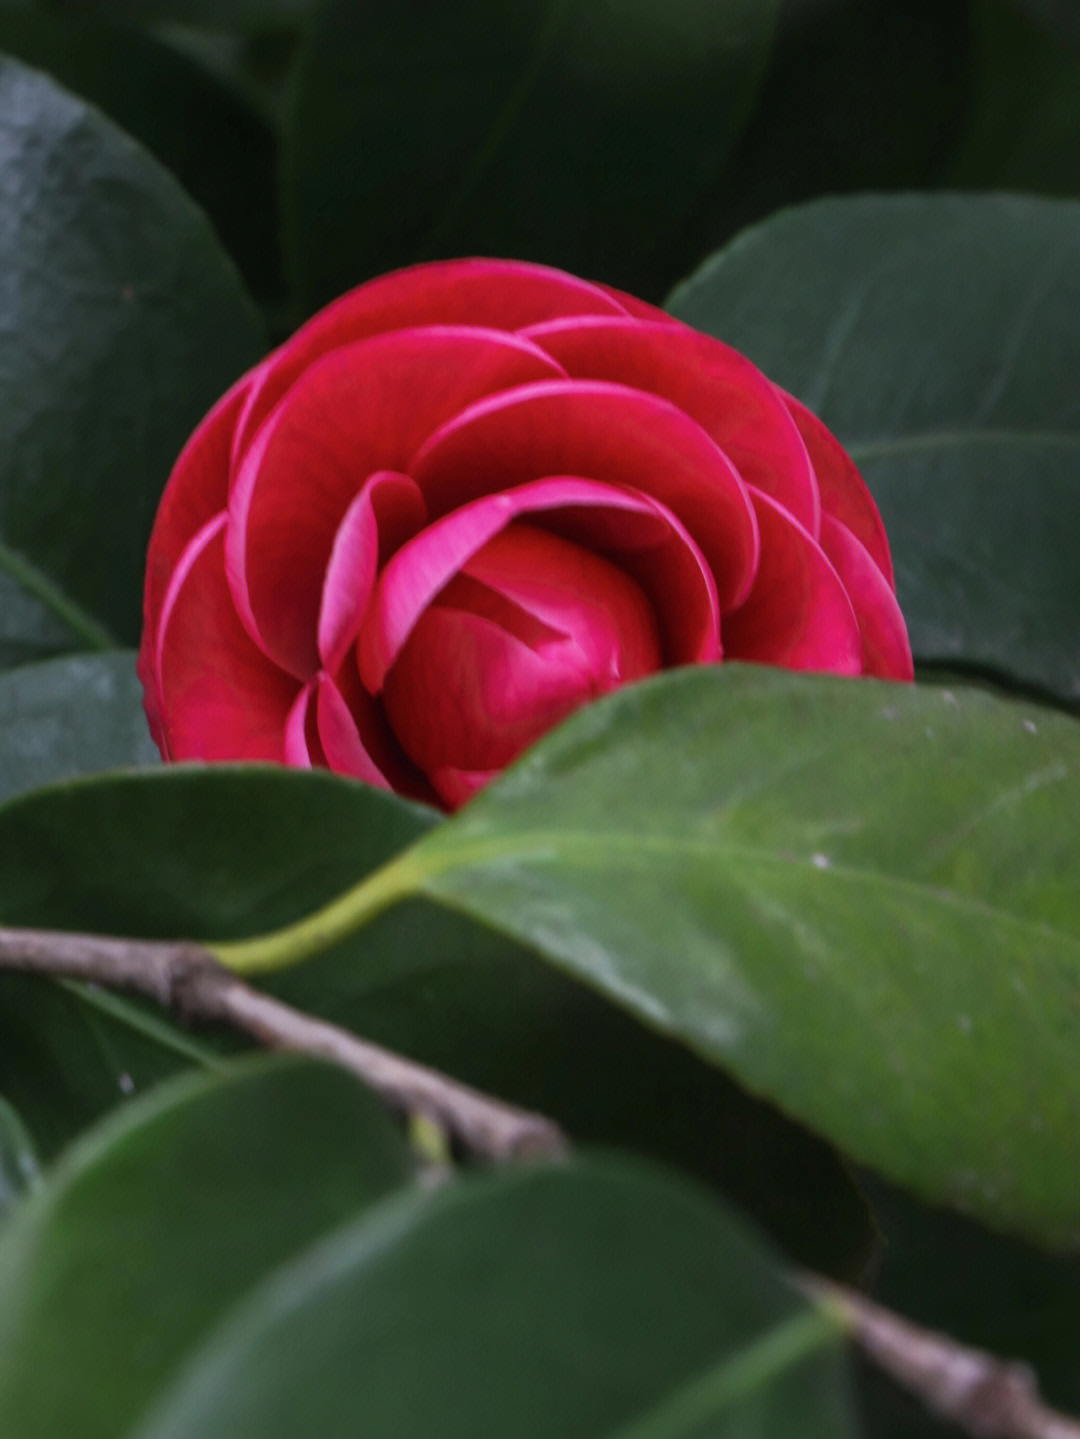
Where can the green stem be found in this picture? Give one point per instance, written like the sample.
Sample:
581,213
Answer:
336,921
34,582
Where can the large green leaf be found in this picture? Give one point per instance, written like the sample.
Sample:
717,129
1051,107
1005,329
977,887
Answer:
221,151
145,1233
179,852
213,853
67,717
588,1299
585,135
120,323
939,337
860,898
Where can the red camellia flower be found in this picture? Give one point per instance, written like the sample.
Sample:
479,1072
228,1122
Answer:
469,497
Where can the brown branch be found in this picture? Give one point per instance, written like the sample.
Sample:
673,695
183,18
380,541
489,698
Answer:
987,1397
191,982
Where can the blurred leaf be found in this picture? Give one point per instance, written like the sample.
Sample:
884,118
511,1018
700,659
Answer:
855,97
589,136
146,1233
939,338
216,15
70,717
593,1298
120,323
220,852
18,1159
1021,125
221,152
859,898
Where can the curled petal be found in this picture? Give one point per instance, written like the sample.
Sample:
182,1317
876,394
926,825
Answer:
361,409
798,615
619,436
728,396
886,650
215,694
843,490
387,511
500,294
645,539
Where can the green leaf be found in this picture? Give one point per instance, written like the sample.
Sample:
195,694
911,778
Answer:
69,717
939,338
178,852
218,852
594,1298
121,323
145,1233
859,898
586,135
1021,125
206,134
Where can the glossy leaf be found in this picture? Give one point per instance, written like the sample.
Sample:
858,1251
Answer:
593,1298
585,136
213,853
121,323
859,898
938,337
69,717
145,1234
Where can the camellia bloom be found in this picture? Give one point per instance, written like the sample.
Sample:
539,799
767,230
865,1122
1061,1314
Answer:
469,497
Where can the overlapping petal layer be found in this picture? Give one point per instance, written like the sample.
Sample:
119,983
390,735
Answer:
471,496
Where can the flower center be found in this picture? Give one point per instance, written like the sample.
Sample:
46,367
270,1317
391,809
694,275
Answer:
531,627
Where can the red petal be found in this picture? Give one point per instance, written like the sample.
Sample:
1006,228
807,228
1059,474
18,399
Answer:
603,432
843,490
644,539
886,650
198,489
387,511
219,697
500,294
728,396
465,694
798,615
361,409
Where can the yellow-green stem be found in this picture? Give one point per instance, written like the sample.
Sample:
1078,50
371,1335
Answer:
336,921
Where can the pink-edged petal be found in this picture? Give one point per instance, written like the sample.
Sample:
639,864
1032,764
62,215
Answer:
641,535
198,489
497,294
843,490
361,409
302,747
217,696
727,395
886,650
606,432
798,615
388,511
